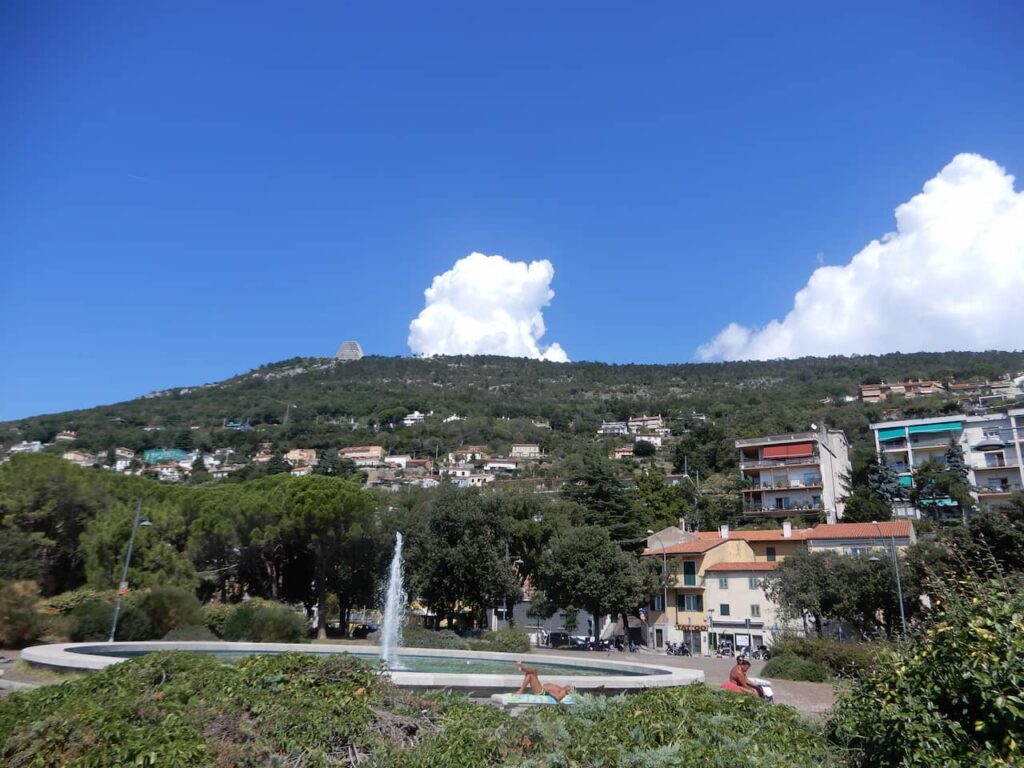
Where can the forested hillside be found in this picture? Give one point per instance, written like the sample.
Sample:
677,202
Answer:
321,403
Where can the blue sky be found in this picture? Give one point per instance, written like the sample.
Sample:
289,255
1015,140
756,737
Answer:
191,189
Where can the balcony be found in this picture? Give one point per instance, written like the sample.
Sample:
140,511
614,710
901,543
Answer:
1003,489
784,486
806,461
769,510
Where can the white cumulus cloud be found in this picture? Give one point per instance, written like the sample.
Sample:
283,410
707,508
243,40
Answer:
950,277
487,305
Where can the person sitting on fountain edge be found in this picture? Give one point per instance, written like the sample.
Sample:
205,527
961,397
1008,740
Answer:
531,681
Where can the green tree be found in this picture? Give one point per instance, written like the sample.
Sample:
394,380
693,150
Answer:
457,555
584,568
644,449
883,480
158,557
51,501
593,483
277,465
657,504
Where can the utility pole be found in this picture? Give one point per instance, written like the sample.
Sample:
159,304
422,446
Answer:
122,587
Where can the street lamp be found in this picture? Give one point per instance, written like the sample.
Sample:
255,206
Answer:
896,571
504,598
711,627
122,587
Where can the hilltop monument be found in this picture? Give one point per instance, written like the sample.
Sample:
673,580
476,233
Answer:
349,350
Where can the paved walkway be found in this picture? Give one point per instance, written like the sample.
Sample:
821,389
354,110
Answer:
811,699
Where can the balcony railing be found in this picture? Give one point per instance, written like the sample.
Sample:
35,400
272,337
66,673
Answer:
768,509
995,490
783,486
768,463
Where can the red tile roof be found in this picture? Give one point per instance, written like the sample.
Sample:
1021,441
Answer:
743,567
774,534
693,547
898,528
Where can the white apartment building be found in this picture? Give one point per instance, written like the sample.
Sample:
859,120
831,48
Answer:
525,451
798,474
993,448
612,428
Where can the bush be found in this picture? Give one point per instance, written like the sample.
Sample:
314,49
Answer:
292,709
144,615
264,622
66,602
21,623
951,696
167,608
506,640
445,639
215,616
191,634
840,659
790,667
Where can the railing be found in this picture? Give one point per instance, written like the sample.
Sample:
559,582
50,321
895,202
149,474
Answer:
989,490
791,485
768,463
753,509
1011,464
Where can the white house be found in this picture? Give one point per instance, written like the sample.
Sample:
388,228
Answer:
501,465
25,446
525,451
413,419
650,437
474,481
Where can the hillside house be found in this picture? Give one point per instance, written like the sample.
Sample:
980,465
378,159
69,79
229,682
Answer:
301,457
525,451
364,455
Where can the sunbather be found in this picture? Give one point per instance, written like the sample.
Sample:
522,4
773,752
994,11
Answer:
531,681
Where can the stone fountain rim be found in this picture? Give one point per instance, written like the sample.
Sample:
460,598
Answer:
62,656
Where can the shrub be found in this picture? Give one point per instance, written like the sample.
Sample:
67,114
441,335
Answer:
91,621
295,709
215,616
840,659
21,623
508,640
167,608
190,633
950,696
417,637
787,666
264,622
66,602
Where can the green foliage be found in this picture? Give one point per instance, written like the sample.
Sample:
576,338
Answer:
185,710
215,616
21,623
507,640
144,615
169,608
66,602
91,621
840,659
788,666
417,637
585,568
259,621
952,695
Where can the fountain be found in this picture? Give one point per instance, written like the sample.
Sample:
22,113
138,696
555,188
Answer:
394,611
476,672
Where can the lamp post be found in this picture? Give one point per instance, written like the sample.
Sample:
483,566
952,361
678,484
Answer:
896,571
122,587
711,627
504,598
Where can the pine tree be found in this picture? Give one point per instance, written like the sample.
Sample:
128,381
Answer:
956,463
883,480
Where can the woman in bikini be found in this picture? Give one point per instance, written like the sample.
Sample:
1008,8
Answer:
533,683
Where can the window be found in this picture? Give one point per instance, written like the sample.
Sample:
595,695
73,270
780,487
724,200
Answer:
754,582
689,573
723,582
693,603
723,609
755,611
771,554
656,603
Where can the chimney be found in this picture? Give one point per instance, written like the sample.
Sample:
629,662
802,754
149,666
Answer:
723,531
787,530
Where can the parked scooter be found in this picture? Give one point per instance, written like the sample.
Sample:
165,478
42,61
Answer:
761,653
677,649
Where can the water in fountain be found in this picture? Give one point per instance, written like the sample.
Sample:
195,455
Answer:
394,610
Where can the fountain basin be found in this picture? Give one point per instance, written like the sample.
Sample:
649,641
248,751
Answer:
441,669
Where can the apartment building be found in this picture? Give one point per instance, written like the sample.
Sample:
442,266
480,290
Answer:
794,475
646,423
364,455
525,451
992,444
715,578
876,393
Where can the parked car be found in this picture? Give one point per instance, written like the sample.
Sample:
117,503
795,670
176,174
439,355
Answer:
558,639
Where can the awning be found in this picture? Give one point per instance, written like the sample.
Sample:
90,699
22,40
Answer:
946,426
907,481
893,433
793,450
